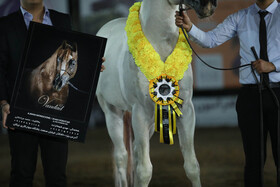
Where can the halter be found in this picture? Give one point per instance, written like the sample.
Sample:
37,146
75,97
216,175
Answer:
181,6
182,2
66,71
70,66
181,9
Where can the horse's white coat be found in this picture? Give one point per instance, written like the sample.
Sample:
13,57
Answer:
123,87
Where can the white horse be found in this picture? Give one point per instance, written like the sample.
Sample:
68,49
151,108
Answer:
123,87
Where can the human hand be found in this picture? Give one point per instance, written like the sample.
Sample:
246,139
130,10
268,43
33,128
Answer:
102,66
183,20
262,66
5,112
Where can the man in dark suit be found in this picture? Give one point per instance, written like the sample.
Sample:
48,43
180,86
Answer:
24,145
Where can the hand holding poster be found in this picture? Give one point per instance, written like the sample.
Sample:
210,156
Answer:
56,82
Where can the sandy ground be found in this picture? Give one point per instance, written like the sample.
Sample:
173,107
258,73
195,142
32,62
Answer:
219,152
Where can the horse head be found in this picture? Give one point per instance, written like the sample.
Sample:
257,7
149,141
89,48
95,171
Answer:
66,64
203,8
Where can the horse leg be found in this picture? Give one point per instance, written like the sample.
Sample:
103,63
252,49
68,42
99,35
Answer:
186,126
142,163
114,122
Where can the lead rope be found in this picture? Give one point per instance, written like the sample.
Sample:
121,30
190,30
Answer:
77,89
181,9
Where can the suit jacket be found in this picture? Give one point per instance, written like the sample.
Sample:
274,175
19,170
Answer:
13,32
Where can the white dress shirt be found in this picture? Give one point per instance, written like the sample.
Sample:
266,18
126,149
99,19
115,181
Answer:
28,17
245,25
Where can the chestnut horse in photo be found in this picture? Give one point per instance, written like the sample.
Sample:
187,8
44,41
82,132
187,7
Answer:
48,83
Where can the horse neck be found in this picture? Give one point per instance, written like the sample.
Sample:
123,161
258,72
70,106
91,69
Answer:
158,24
50,65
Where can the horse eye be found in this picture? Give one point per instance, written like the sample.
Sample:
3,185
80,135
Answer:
72,62
58,59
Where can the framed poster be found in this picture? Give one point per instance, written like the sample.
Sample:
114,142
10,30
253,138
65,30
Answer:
56,82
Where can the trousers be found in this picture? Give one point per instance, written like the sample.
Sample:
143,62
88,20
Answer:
24,152
248,112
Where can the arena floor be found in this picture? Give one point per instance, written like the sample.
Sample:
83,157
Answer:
219,152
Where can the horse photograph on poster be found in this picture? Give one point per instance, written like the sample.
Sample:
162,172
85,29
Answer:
48,83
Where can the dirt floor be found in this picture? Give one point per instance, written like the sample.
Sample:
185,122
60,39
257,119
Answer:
219,152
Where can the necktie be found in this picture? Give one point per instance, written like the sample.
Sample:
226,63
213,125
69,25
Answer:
263,42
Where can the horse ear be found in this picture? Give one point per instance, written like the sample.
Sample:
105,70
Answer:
75,47
64,44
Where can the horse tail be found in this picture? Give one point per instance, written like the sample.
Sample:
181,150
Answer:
128,141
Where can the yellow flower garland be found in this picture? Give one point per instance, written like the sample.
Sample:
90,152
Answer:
147,59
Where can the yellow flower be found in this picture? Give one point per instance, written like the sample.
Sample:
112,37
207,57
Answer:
135,7
147,59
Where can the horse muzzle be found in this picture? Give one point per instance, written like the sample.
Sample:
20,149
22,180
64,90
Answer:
206,10
60,81
203,8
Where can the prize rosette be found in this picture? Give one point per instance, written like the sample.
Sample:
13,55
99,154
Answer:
164,91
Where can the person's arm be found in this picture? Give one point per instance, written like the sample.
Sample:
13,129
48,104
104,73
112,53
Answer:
263,66
223,32
102,66
5,110
276,64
